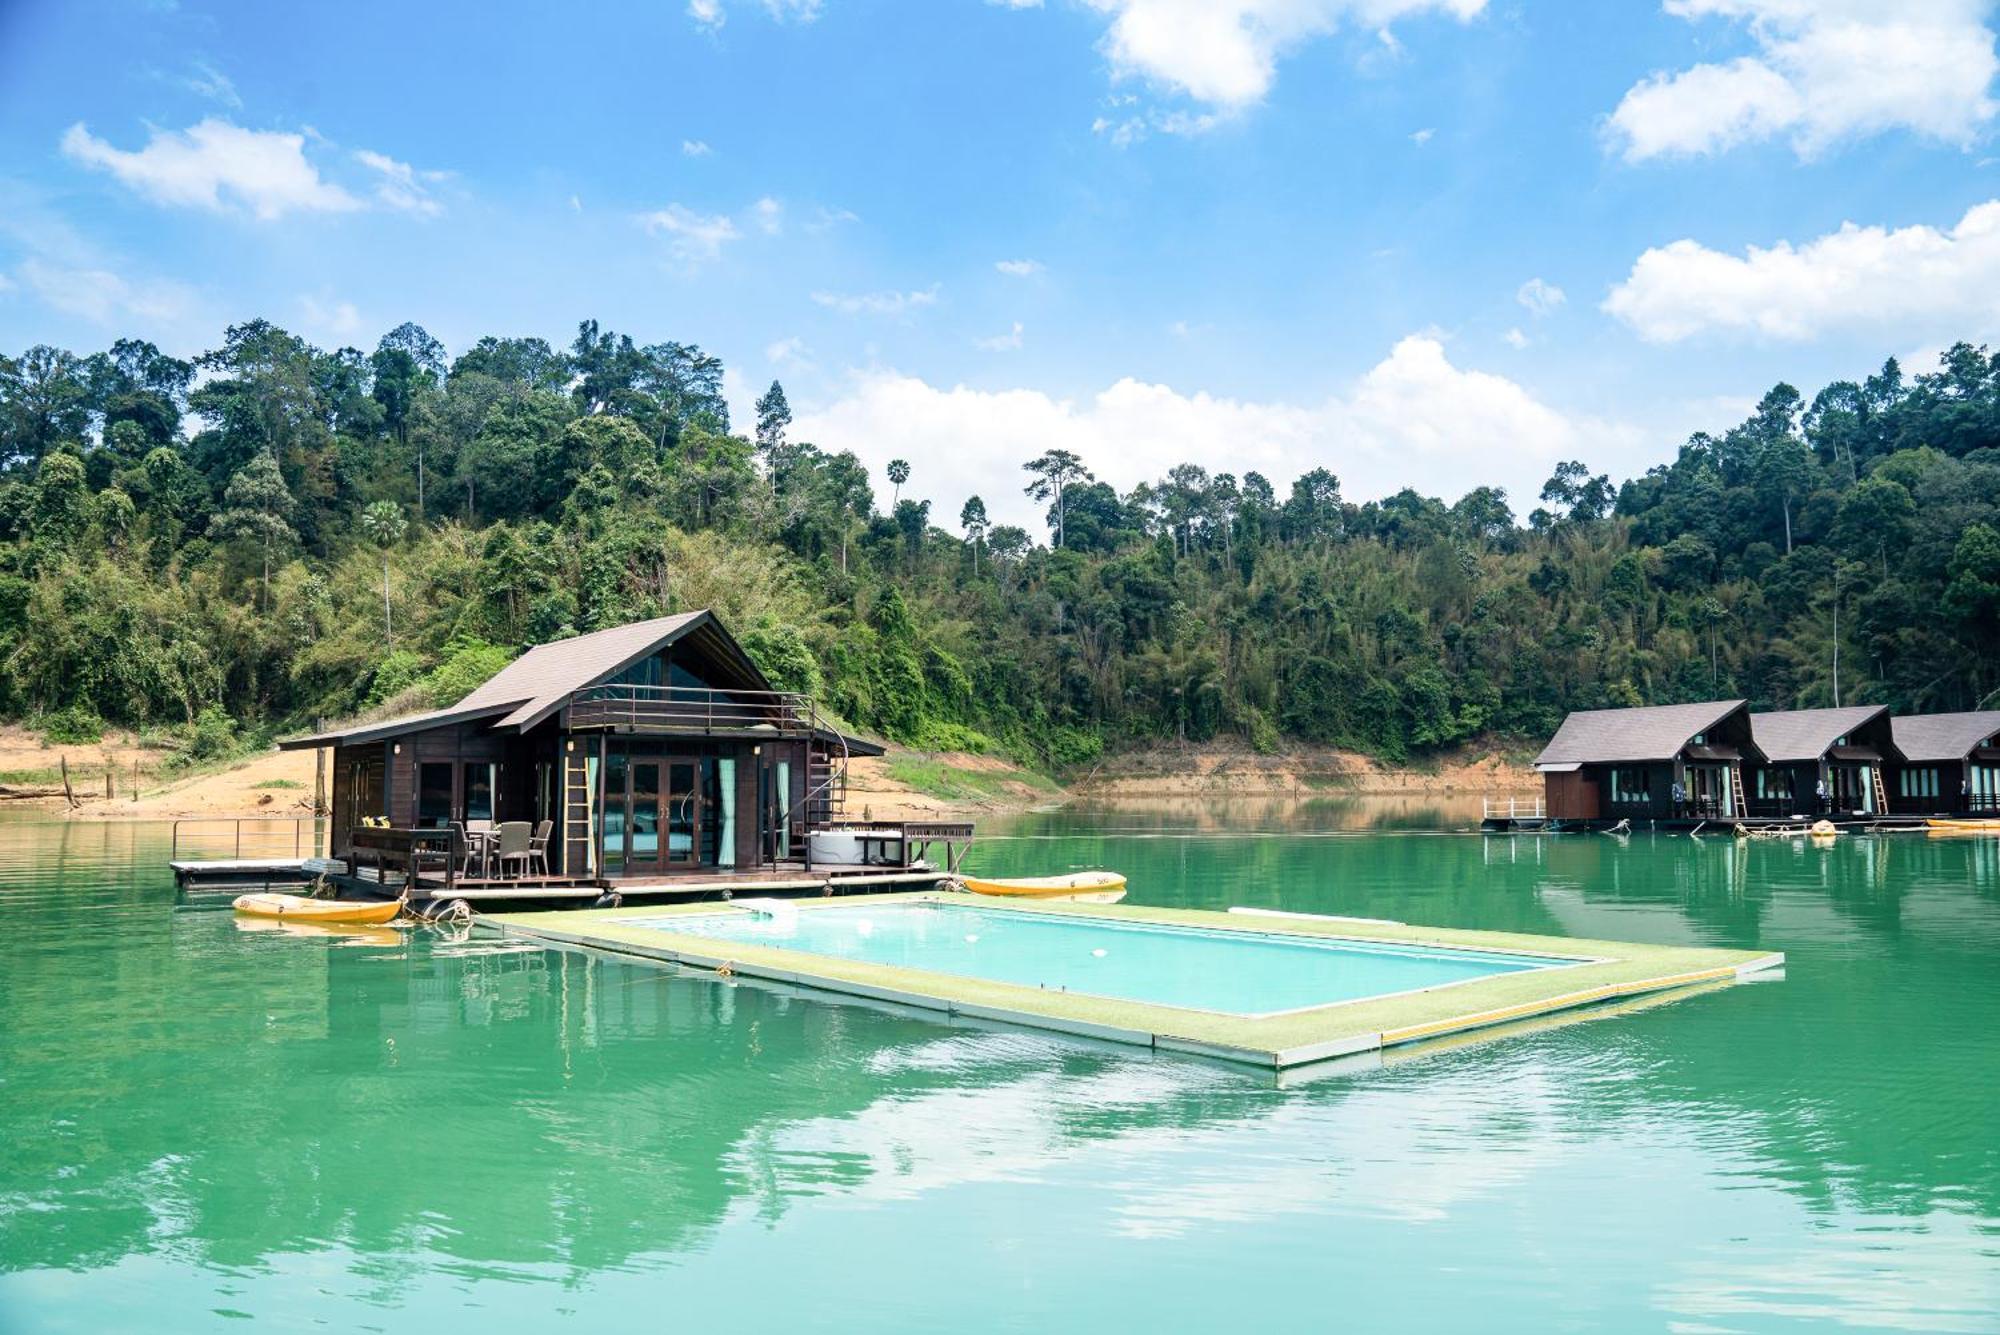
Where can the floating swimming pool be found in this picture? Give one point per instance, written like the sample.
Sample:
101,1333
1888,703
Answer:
1233,972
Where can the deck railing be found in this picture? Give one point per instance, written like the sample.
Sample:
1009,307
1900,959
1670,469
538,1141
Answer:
1513,808
690,709
246,836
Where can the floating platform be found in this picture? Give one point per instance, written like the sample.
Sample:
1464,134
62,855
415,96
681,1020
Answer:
1590,973
217,876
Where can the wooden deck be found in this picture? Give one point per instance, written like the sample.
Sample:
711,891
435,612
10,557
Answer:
784,879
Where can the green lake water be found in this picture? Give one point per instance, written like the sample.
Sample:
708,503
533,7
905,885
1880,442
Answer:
201,1124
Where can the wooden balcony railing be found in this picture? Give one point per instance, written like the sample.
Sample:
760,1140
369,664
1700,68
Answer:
690,709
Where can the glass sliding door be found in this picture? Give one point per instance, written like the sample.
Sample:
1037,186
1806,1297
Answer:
434,794
644,850
683,813
614,813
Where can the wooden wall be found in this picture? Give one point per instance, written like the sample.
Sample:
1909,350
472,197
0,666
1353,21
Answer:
1571,795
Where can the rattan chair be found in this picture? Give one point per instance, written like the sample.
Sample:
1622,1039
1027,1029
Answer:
538,847
515,836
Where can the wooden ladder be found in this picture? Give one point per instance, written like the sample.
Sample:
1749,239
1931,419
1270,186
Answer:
1881,794
1736,806
575,799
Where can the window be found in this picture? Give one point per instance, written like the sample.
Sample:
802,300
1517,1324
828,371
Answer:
1630,787
1774,785
1917,783
479,790
680,675
433,795
645,672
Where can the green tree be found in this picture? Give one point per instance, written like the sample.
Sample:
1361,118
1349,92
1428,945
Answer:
257,505
972,518
1054,474
384,524
774,418
899,473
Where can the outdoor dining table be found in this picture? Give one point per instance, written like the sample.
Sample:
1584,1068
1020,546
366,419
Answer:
481,845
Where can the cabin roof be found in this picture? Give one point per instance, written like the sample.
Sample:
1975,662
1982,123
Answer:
1807,734
1943,736
542,678
382,729
1650,732
537,683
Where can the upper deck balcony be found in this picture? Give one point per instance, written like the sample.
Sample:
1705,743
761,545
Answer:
692,710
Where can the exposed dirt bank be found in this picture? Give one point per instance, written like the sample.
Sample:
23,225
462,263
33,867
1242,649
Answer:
1225,772
904,785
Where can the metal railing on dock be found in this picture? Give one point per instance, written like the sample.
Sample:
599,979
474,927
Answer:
246,836
1513,808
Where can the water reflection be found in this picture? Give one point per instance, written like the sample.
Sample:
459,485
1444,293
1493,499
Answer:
187,1107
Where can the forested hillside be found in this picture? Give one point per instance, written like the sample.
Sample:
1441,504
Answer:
272,533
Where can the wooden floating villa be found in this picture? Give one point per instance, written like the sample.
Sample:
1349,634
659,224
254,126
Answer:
650,758
1717,762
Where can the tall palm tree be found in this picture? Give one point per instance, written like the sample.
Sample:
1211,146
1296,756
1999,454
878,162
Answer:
385,526
899,473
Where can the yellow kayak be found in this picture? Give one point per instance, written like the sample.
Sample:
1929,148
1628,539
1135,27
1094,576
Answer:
297,908
1093,887
1968,826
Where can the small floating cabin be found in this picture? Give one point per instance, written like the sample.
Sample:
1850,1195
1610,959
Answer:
658,753
1949,764
1654,763
1822,762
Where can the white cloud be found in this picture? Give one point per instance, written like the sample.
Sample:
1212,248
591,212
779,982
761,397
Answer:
210,82
1019,268
789,352
768,215
692,238
1824,71
1225,52
214,164
338,321
695,148
1539,297
825,218
1180,328
1913,279
1423,136
402,186
877,303
1413,416
711,14
104,297
1515,339
1007,342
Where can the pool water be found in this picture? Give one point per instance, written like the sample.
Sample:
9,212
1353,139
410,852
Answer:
1238,973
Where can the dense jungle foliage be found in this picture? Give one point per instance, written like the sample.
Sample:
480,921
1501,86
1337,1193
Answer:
273,533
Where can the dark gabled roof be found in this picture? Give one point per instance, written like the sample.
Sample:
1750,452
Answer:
534,685
541,679
1943,736
1807,734
383,729
1653,732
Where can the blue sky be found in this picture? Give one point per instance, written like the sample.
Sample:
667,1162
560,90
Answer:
1428,242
